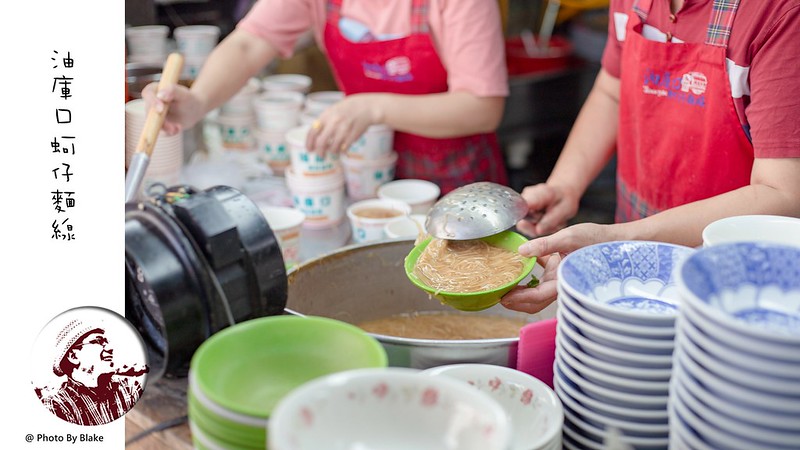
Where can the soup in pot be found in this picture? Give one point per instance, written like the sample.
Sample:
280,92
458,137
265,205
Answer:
445,325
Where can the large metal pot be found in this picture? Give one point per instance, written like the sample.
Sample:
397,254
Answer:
366,282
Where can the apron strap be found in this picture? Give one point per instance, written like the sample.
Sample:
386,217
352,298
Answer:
720,22
419,15
642,8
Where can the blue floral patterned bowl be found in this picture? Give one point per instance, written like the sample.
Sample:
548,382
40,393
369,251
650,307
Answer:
749,288
630,281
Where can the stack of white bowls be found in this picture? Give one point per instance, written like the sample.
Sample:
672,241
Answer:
195,43
736,379
147,44
535,412
277,109
614,343
166,161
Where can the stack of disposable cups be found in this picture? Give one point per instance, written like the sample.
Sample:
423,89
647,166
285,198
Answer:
276,112
316,103
370,162
147,44
237,119
166,161
316,182
195,43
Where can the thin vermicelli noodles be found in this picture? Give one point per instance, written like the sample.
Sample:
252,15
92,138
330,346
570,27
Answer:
466,266
443,325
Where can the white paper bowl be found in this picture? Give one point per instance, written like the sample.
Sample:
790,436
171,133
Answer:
387,408
536,412
751,228
406,227
419,194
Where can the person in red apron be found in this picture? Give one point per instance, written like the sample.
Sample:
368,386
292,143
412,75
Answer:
444,115
450,162
693,140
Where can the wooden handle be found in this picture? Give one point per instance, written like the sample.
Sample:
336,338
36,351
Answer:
155,120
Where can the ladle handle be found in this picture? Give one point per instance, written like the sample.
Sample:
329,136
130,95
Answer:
155,119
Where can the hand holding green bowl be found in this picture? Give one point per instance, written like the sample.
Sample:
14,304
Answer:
473,301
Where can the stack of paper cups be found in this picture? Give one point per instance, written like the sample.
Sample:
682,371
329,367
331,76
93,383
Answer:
316,182
147,44
166,161
287,82
195,42
277,112
370,162
237,118
317,102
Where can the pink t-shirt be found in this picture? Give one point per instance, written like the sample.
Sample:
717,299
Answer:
467,33
763,69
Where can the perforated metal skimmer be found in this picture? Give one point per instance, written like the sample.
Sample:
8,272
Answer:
474,211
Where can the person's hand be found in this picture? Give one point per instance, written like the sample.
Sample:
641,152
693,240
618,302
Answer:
185,109
339,126
549,208
550,250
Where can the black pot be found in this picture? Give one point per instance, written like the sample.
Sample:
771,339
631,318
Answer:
195,263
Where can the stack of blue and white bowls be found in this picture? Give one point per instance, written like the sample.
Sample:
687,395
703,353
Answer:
736,374
618,303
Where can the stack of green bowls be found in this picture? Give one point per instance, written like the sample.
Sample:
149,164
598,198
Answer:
239,374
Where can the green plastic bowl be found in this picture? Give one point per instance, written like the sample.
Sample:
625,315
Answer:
473,301
248,367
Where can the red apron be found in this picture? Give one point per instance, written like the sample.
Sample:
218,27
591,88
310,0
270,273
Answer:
410,65
680,139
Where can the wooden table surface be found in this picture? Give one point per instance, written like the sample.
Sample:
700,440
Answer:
161,402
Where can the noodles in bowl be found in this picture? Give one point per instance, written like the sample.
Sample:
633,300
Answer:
469,275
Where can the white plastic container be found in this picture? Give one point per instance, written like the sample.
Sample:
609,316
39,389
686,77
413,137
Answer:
285,223
406,227
150,40
377,142
196,40
308,163
420,194
365,176
278,110
319,101
273,149
321,198
287,82
369,217
237,131
242,102
192,66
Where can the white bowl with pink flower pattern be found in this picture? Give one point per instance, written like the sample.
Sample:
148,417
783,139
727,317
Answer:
390,408
535,411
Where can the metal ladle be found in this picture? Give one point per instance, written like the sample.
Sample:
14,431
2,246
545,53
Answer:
474,211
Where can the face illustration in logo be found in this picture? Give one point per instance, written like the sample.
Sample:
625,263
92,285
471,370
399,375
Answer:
90,386
695,82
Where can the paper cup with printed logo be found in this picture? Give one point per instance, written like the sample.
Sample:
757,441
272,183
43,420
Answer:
375,143
317,102
365,176
287,82
192,66
278,110
420,194
305,162
237,131
147,40
242,102
273,149
196,40
321,198
369,217
285,223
